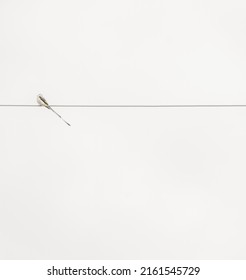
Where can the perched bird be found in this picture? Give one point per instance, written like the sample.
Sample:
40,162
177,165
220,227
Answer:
43,102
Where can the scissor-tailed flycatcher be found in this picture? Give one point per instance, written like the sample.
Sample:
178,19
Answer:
42,101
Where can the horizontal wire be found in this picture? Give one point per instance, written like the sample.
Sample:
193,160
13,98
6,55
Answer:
133,106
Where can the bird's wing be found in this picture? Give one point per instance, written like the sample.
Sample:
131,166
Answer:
43,101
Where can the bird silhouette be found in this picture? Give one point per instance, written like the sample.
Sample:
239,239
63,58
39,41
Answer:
43,102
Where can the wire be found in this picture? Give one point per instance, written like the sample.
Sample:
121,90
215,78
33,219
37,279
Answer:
134,106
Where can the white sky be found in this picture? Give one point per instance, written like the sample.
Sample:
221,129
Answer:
123,183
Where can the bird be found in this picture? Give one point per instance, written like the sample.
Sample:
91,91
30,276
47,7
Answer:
43,102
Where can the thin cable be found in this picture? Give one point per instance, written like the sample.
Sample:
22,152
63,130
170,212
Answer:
134,106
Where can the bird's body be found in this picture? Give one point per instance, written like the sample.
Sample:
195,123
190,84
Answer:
43,102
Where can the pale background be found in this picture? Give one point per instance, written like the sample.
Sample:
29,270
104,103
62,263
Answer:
146,183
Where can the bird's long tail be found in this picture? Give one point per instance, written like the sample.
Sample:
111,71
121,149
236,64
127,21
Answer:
59,115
